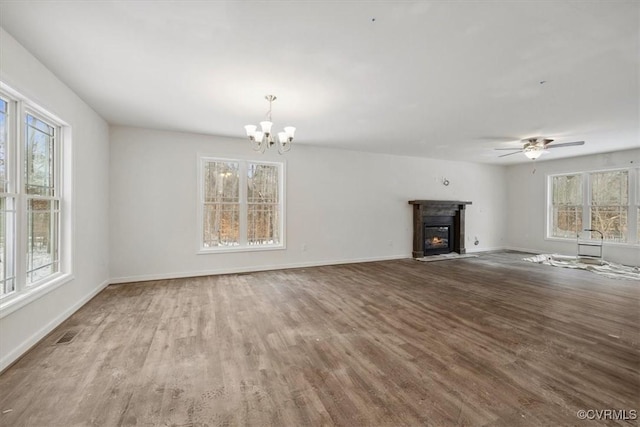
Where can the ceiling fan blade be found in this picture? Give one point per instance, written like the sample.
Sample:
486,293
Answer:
564,144
499,138
508,154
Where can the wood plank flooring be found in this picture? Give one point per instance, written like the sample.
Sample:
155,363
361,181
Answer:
487,341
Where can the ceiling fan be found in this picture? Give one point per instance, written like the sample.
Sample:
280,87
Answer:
536,146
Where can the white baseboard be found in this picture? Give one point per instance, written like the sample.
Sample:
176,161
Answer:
252,269
21,349
480,250
528,250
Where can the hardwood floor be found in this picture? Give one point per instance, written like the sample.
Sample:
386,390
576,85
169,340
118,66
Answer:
487,341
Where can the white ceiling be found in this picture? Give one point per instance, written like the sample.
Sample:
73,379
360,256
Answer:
441,79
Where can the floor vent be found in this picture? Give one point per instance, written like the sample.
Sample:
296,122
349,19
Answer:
67,337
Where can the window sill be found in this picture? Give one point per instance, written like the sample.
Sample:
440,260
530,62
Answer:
16,301
224,250
605,243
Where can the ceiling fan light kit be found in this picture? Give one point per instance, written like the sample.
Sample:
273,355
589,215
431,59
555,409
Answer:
533,152
263,139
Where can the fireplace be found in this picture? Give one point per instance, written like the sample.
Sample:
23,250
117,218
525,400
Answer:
438,227
438,236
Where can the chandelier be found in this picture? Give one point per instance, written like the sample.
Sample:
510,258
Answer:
261,140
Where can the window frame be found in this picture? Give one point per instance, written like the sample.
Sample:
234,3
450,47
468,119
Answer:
243,245
18,109
633,200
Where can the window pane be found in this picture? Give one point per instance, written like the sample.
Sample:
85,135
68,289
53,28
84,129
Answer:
221,182
567,221
4,136
567,190
39,157
567,206
610,188
609,199
7,247
262,183
611,221
263,214
42,244
221,217
221,225
263,224
39,125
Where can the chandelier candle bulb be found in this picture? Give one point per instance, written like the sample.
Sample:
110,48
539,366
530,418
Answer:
290,130
266,127
251,131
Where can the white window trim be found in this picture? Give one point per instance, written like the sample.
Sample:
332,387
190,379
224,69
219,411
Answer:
243,247
633,202
23,294
633,216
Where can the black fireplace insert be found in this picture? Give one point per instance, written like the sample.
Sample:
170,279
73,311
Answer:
438,235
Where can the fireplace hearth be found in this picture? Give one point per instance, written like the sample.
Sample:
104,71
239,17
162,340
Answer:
438,227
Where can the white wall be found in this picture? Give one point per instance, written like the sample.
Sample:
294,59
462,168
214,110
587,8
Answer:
526,195
21,329
342,205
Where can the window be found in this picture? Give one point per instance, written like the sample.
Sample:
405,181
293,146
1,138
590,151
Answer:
41,191
567,205
600,200
610,204
263,204
241,205
31,143
221,205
